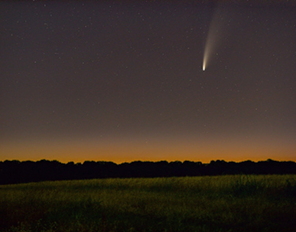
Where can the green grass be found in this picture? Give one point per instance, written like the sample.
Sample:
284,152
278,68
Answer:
219,203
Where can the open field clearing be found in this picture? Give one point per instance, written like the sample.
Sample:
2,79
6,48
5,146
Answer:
217,203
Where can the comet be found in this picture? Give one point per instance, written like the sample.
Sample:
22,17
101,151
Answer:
204,65
213,36
205,58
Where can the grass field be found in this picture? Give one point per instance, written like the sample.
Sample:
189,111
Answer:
218,203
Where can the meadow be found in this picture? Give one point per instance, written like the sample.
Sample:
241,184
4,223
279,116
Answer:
208,203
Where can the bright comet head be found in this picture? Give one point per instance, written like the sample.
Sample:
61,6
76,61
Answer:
204,66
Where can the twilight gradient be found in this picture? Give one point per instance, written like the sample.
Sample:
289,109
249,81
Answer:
123,81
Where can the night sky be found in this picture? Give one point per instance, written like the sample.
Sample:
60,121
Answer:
122,81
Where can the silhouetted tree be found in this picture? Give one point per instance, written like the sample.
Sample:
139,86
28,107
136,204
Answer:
15,171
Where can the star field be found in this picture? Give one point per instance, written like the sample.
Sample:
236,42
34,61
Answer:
123,81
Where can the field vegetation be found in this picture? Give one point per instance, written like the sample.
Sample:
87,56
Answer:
216,203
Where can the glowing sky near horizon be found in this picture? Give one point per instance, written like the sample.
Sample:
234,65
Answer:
122,82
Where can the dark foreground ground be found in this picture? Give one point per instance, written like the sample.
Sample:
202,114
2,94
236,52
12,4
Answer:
218,203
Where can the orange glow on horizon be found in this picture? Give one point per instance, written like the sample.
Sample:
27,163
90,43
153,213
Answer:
130,150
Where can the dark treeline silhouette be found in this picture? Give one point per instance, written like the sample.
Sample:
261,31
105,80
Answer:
15,171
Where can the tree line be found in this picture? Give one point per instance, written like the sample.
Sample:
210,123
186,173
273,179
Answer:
14,171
